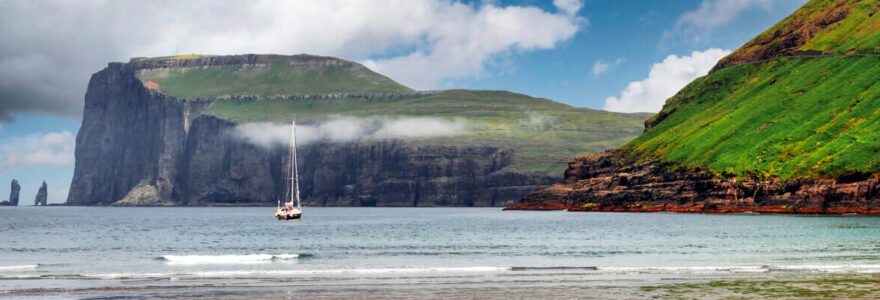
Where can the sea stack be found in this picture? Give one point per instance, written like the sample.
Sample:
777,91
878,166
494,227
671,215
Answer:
42,195
13,195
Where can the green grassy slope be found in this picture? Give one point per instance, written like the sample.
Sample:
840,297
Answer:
788,117
546,133
820,26
277,78
858,32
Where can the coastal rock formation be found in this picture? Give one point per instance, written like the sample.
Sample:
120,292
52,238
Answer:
42,195
139,146
13,194
614,181
143,194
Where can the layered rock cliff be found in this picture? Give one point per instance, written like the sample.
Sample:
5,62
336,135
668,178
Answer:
615,181
140,146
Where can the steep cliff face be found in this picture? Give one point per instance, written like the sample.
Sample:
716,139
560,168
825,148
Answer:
219,170
129,134
138,145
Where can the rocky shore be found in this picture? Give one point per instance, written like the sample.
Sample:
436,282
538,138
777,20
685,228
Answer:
613,181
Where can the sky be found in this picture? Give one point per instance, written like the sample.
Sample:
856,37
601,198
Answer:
626,56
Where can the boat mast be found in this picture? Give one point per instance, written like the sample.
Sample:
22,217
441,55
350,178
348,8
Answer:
294,170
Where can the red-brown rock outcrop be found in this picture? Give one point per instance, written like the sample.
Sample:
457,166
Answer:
613,181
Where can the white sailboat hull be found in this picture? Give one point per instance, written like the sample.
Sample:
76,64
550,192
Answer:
288,216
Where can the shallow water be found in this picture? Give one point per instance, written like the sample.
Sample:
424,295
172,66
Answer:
192,251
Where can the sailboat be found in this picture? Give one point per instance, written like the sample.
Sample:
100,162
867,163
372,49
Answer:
292,209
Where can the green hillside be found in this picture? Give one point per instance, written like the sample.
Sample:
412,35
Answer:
546,133
791,117
278,78
819,27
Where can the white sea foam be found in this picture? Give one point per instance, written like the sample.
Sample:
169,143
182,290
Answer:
17,268
244,259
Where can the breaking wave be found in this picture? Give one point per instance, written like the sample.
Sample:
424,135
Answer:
17,268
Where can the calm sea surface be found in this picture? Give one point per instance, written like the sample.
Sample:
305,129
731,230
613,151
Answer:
82,252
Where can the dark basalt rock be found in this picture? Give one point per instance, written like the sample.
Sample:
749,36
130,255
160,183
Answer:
13,194
42,195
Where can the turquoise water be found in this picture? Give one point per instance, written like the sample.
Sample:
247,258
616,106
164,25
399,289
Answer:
106,251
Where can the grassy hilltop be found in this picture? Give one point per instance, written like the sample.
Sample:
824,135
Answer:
278,78
545,133
767,111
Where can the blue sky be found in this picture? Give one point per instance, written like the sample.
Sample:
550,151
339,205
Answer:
631,30
550,50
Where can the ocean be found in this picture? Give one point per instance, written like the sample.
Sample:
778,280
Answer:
243,252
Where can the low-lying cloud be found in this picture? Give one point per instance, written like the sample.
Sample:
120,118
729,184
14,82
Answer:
340,129
537,121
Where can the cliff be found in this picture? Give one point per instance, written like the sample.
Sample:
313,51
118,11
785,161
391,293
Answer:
157,132
788,123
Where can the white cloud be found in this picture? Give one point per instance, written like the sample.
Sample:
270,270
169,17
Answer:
50,48
569,7
601,66
664,80
340,129
54,148
698,24
462,40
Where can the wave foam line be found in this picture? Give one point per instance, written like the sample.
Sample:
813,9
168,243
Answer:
17,268
243,273
244,259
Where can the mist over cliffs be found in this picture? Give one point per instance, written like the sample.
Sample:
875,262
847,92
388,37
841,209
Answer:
199,130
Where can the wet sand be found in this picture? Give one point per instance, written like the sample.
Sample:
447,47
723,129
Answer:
569,286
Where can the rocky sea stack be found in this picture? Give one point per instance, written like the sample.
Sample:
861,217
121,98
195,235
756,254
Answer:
42,195
786,124
157,131
14,191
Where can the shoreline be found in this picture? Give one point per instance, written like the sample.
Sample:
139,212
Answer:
762,286
551,205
